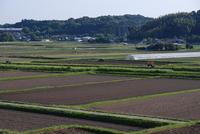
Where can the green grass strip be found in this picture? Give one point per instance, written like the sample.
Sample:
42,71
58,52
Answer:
108,70
44,68
170,73
167,73
143,122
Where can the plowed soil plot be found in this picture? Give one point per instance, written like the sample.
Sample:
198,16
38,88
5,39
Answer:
11,74
99,92
182,106
21,121
55,81
187,130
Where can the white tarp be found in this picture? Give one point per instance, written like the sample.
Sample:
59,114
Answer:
163,56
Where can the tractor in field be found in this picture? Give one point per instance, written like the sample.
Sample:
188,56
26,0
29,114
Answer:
150,64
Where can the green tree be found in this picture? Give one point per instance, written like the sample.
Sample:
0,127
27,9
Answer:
5,37
180,25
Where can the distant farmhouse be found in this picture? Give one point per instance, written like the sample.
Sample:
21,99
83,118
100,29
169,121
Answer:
163,44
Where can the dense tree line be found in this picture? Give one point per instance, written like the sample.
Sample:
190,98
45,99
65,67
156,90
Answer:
106,28
179,25
114,25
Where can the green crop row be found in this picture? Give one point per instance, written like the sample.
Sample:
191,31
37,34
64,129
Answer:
149,72
43,68
181,68
107,70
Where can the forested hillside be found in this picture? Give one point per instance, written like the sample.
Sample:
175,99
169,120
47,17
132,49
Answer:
180,25
136,27
115,25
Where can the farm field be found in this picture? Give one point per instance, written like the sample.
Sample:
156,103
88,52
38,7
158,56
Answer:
99,92
57,81
70,131
11,74
53,88
21,121
34,51
186,130
181,106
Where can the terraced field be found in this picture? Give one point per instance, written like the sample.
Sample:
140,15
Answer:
57,81
70,131
21,121
86,93
195,129
48,88
181,106
11,74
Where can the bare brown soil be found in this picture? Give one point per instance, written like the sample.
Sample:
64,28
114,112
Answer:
187,130
100,92
55,81
11,74
22,121
69,131
182,106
